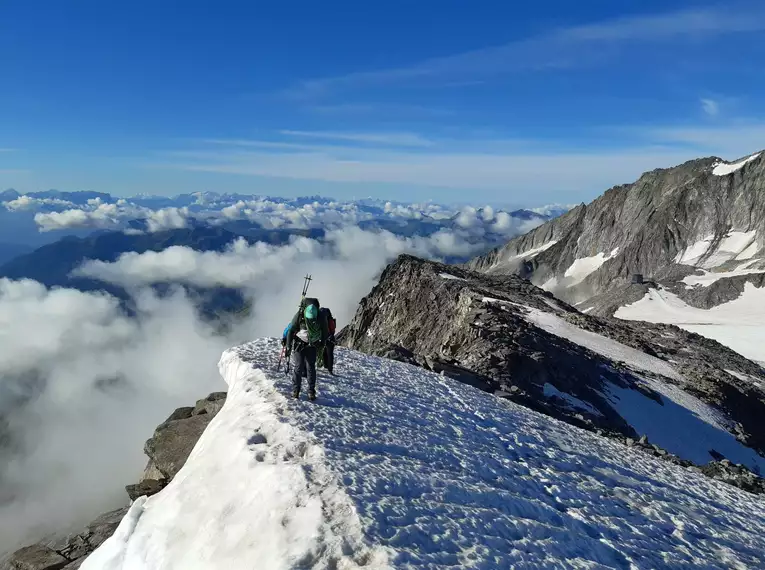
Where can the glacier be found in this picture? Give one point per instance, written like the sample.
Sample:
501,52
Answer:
398,467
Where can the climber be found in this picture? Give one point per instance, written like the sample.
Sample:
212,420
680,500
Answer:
307,334
329,348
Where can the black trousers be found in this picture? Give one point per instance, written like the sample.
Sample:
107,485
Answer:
304,360
329,356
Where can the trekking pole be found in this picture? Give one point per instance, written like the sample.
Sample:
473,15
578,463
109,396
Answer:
281,355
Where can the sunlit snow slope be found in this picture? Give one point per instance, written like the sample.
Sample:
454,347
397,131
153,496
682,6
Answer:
738,324
394,466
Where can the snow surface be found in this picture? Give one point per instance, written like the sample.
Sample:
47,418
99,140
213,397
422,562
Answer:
551,391
730,247
534,251
744,377
582,267
707,278
738,324
394,466
722,169
450,276
682,423
692,253
598,343
550,284
749,252
734,245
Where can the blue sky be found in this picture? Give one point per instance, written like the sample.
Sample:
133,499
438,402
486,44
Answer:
451,100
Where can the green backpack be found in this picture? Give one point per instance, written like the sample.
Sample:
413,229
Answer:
311,324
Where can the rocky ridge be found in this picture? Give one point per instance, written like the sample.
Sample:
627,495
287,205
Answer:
476,328
703,215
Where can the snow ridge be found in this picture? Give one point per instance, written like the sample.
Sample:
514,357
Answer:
255,492
416,470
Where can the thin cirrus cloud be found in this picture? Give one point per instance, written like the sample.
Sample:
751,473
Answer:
710,107
487,165
562,48
389,139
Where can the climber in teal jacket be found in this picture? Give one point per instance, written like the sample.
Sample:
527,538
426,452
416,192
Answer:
306,335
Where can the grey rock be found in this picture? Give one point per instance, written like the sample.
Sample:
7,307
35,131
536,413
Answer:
80,544
146,487
212,404
643,440
37,557
173,441
736,475
650,222
179,414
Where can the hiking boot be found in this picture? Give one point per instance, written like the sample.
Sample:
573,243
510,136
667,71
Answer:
296,393
312,395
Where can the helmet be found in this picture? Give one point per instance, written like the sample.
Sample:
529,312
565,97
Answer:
310,312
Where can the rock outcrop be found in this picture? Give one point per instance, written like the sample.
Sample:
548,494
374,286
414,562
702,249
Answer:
168,449
504,335
670,223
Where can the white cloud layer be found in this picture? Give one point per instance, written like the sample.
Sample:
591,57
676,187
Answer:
139,214
102,215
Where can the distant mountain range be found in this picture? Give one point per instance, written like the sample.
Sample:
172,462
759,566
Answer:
50,257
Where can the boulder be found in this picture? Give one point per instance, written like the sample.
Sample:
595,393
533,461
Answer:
37,557
212,404
173,441
146,487
77,546
736,475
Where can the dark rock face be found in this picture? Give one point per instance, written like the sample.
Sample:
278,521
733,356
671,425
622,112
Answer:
212,404
145,488
736,475
471,326
644,228
173,441
67,551
168,450
38,557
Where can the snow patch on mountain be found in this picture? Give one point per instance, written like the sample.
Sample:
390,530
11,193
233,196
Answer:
749,252
731,245
738,324
734,245
683,424
450,276
582,267
707,278
394,466
599,343
693,253
551,391
723,169
535,251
